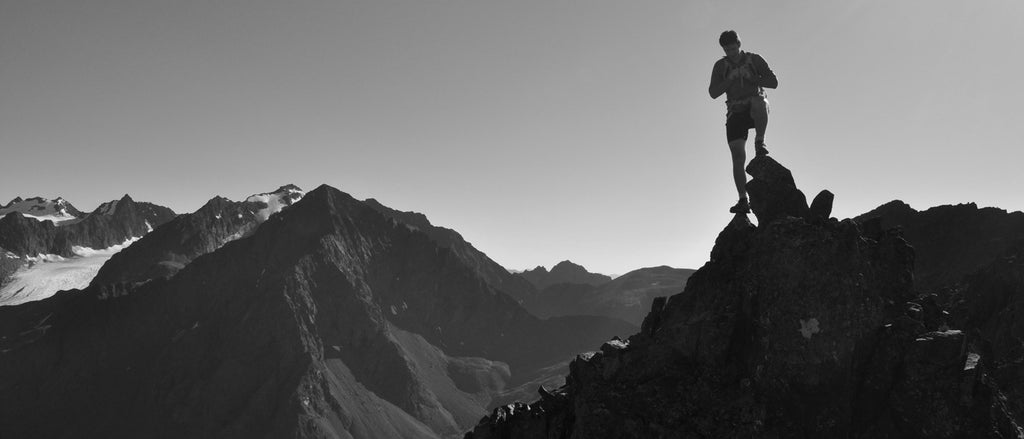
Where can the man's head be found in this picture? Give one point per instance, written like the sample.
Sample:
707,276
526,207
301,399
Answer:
730,42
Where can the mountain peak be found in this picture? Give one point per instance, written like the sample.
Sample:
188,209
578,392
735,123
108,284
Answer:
565,272
13,202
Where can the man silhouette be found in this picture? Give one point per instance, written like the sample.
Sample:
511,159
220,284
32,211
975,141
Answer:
742,77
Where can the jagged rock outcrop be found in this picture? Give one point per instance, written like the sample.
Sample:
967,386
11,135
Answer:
803,326
565,272
950,241
329,320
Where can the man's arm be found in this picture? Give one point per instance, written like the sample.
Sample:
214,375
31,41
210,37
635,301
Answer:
766,76
718,84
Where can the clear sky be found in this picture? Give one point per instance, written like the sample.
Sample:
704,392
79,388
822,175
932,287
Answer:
541,130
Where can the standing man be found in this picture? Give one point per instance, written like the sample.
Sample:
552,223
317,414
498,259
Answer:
742,76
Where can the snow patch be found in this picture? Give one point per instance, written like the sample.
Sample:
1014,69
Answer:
972,361
45,275
276,201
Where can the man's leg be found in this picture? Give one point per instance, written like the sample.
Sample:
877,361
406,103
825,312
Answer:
739,159
759,112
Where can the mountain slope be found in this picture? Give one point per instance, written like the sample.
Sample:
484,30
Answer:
495,274
329,320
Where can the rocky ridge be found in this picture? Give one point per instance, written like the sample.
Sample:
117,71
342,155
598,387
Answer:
804,326
950,241
170,248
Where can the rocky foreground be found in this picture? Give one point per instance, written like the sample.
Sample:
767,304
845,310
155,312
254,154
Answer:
803,326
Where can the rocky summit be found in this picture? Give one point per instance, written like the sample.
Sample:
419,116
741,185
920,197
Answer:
804,326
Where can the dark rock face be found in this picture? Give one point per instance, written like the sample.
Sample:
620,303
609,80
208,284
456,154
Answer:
627,297
23,236
564,272
329,320
951,241
795,328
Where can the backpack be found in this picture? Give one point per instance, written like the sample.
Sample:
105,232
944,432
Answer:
747,63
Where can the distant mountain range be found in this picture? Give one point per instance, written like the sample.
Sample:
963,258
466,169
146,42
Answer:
569,289
288,314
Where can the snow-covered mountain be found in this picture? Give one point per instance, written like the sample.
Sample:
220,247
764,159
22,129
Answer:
58,210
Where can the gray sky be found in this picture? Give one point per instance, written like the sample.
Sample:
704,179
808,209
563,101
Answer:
541,130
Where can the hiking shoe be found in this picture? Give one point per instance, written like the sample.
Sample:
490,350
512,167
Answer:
759,149
741,207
